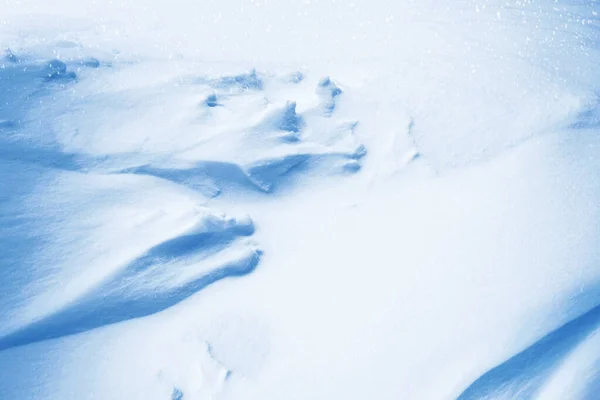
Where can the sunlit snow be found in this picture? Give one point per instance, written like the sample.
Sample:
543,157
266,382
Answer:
280,200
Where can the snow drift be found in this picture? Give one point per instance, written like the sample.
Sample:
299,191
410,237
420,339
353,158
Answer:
292,200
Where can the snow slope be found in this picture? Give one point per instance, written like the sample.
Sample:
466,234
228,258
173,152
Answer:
292,200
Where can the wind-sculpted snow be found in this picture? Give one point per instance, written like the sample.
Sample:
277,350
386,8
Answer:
299,200
228,132
71,198
524,375
161,277
24,83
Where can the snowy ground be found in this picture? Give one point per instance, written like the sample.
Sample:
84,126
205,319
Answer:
299,200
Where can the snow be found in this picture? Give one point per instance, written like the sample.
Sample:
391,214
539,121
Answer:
299,200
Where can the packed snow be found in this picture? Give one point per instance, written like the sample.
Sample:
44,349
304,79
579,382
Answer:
279,200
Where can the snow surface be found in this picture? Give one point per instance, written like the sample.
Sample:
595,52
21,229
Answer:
231,199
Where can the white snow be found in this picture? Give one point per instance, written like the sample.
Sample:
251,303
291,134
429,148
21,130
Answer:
299,199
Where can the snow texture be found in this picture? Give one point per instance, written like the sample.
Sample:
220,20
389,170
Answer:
299,200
